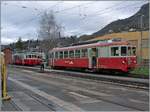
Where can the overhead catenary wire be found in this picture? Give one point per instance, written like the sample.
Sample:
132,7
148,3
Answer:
87,16
35,18
103,11
97,21
81,20
67,9
35,9
97,13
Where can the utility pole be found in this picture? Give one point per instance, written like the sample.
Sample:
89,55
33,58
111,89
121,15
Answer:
141,27
29,45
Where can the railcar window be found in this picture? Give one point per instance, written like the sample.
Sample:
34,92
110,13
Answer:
71,54
65,54
61,54
56,55
34,56
134,51
77,53
114,51
123,51
84,53
129,51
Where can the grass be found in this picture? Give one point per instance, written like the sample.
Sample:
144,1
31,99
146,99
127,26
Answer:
141,71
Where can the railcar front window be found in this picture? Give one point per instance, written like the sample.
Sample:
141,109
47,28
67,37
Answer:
51,55
114,51
129,51
133,51
123,51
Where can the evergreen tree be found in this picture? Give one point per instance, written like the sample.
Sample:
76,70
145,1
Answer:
19,44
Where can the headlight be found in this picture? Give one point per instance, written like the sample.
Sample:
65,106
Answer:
123,62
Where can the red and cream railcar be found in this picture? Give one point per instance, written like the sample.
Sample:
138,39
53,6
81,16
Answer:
101,55
30,59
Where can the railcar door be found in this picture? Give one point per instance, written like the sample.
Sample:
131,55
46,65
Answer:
51,59
93,54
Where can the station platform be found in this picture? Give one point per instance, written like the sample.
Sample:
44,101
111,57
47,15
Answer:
24,100
31,90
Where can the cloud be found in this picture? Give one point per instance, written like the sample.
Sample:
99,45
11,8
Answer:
20,18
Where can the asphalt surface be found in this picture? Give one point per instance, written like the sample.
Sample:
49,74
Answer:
32,90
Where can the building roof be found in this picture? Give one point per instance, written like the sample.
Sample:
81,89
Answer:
6,48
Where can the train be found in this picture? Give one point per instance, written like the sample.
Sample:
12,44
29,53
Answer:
28,58
111,56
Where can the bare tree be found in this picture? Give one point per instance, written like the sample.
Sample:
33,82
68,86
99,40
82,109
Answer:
49,31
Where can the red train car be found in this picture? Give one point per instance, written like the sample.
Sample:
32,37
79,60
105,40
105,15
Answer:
28,58
119,56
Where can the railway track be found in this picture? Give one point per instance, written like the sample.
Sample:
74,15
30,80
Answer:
116,80
121,82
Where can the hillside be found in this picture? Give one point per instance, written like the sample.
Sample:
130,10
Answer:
124,24
64,41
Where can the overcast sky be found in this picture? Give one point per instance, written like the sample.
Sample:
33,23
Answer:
20,18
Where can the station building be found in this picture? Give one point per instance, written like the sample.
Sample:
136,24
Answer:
133,38
8,55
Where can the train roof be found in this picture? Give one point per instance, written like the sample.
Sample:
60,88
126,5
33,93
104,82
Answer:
91,45
27,53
